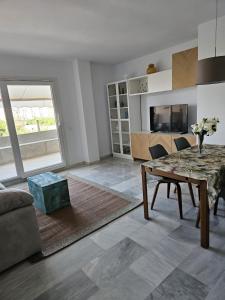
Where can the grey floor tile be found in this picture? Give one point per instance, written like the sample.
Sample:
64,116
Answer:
154,231
138,215
152,267
126,286
27,281
187,234
172,251
115,232
103,269
179,286
218,290
75,287
107,237
146,237
206,264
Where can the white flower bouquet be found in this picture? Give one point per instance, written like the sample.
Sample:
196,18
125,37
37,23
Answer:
208,126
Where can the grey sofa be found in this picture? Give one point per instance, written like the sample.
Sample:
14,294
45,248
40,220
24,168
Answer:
19,234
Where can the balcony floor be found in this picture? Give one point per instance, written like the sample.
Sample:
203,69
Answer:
9,171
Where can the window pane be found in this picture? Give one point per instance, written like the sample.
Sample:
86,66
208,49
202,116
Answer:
35,122
7,165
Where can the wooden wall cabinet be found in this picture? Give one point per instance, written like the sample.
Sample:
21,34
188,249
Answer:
141,141
184,68
140,144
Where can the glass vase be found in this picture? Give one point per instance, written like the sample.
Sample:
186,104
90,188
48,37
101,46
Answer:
200,142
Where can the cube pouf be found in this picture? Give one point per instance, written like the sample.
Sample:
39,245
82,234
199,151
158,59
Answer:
50,191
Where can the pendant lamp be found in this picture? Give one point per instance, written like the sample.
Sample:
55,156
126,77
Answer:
212,70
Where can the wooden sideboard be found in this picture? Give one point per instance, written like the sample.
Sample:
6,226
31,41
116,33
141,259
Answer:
141,141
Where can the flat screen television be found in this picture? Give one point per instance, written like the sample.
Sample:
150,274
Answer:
169,118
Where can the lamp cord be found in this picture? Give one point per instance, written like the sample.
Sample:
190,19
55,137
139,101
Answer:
216,26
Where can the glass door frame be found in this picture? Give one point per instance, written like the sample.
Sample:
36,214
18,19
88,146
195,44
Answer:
12,129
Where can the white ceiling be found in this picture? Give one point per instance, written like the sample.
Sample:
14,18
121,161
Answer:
99,30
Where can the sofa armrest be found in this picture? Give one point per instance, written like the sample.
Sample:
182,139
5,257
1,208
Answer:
11,199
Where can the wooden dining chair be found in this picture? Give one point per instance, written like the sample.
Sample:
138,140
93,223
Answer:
159,151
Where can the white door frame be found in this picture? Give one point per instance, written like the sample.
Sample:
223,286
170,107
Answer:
12,129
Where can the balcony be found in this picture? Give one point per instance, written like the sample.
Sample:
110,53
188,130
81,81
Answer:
38,150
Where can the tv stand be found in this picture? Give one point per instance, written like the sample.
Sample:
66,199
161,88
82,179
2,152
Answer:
141,141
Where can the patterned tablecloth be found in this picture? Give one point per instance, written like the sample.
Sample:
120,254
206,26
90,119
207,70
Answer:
209,166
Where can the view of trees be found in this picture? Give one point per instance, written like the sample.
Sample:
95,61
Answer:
29,126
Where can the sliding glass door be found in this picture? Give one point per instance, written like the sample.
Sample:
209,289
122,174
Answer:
34,126
7,163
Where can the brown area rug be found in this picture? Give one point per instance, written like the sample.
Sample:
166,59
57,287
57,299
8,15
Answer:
92,207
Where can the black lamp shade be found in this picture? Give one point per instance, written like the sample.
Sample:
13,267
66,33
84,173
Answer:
211,70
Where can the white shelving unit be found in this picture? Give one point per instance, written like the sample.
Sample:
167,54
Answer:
121,124
152,83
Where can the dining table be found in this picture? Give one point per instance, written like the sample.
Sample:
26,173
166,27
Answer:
206,170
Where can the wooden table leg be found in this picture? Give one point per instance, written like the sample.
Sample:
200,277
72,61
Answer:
204,215
145,192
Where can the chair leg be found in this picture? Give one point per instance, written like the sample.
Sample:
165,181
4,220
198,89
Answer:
175,190
155,194
216,206
168,189
198,219
192,194
179,198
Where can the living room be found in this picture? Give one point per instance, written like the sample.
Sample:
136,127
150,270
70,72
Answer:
107,110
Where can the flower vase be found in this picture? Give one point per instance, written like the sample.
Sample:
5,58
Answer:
200,142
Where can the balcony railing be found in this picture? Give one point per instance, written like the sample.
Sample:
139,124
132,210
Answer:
32,145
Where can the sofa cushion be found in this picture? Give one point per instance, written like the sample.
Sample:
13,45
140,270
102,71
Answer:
11,199
2,187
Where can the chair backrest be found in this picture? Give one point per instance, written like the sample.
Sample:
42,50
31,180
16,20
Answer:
181,143
157,151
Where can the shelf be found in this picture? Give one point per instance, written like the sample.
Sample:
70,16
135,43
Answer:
123,94
112,96
138,94
114,119
151,83
127,145
124,120
123,107
125,132
113,108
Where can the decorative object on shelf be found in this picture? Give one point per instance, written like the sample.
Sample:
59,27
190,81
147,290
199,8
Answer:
151,69
126,114
143,85
212,69
208,126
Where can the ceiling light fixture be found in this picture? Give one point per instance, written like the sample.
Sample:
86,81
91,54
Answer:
212,69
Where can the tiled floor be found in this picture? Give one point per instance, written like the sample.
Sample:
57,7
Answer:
130,258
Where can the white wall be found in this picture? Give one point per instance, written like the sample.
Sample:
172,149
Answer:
62,72
101,75
85,99
163,61
211,98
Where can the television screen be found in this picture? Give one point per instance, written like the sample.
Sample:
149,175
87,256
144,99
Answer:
179,118
169,118
160,118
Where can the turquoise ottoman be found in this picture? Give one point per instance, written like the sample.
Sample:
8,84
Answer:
50,191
